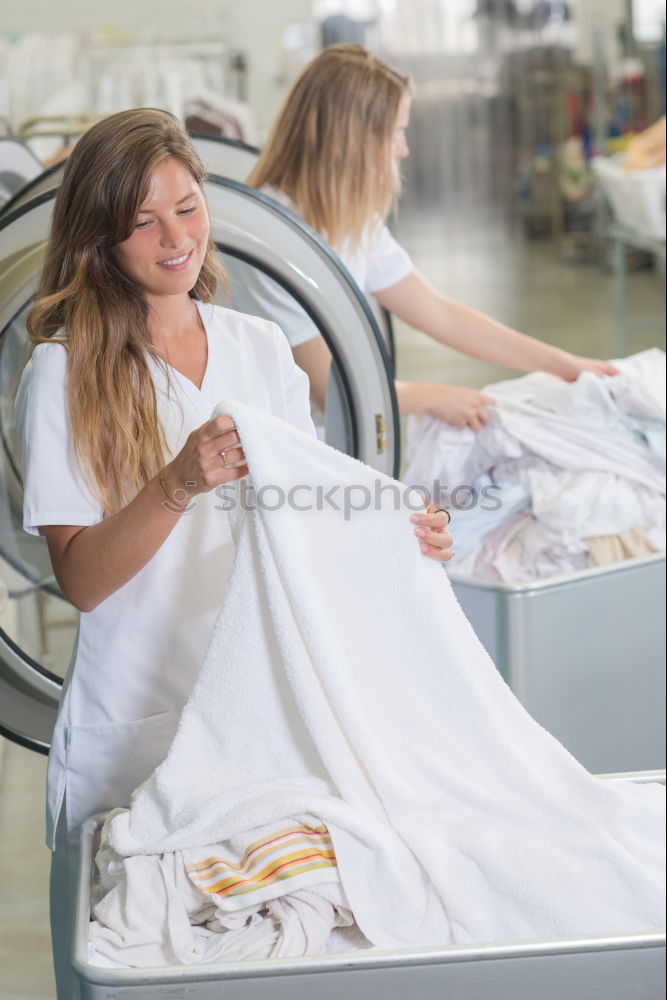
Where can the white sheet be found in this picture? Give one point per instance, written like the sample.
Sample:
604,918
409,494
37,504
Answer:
344,683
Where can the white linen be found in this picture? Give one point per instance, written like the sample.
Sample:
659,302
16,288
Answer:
139,651
590,456
343,681
158,910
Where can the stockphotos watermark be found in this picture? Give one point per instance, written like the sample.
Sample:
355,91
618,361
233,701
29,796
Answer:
350,499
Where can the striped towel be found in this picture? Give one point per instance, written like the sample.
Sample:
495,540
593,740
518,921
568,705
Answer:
291,852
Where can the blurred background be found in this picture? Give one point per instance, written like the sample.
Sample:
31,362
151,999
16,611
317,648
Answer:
514,200
514,100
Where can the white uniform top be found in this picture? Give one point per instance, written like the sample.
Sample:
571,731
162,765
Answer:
376,263
139,651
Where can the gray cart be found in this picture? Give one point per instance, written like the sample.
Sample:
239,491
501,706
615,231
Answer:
619,967
585,654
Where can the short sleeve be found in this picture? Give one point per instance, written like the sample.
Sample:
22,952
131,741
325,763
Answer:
296,387
255,293
386,261
54,491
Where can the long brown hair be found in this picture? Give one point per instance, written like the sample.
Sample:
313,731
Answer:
98,311
330,146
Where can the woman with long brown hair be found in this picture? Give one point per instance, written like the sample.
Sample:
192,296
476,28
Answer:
120,457
333,156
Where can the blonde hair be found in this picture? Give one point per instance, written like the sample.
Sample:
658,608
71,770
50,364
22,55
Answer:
100,313
330,147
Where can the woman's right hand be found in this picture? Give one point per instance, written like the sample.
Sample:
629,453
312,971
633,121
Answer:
458,406
212,455
91,562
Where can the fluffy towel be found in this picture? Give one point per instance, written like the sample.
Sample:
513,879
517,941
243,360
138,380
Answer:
344,683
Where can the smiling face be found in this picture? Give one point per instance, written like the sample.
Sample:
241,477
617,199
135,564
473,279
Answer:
165,253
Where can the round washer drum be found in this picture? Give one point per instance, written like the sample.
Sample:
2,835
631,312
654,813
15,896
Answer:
247,226
225,157
231,158
18,167
221,156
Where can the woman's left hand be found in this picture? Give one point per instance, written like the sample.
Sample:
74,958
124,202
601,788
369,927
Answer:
431,530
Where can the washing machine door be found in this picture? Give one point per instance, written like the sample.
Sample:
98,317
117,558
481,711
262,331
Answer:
38,626
222,157
225,157
18,166
39,184
230,158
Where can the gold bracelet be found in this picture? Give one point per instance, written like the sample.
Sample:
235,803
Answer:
181,506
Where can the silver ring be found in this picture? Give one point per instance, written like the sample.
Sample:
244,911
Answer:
444,511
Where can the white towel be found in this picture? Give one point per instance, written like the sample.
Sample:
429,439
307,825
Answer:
344,682
216,904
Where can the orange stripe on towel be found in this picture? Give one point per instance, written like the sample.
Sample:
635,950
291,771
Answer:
316,833
282,855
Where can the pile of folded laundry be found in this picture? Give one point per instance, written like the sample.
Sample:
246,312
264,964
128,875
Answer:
565,476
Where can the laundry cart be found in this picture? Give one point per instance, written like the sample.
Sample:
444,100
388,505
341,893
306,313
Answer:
585,654
618,967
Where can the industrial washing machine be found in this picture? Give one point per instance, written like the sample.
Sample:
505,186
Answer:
18,167
361,415
222,157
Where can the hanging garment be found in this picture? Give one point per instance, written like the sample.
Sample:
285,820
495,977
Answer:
343,683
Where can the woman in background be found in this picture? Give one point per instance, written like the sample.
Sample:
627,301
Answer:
332,156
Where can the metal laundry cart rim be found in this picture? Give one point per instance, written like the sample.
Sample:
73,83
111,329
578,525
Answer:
548,582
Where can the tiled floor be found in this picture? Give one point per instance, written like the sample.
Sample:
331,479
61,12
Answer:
526,285
523,284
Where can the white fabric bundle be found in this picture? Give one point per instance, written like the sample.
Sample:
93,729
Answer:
344,683
588,455
166,909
